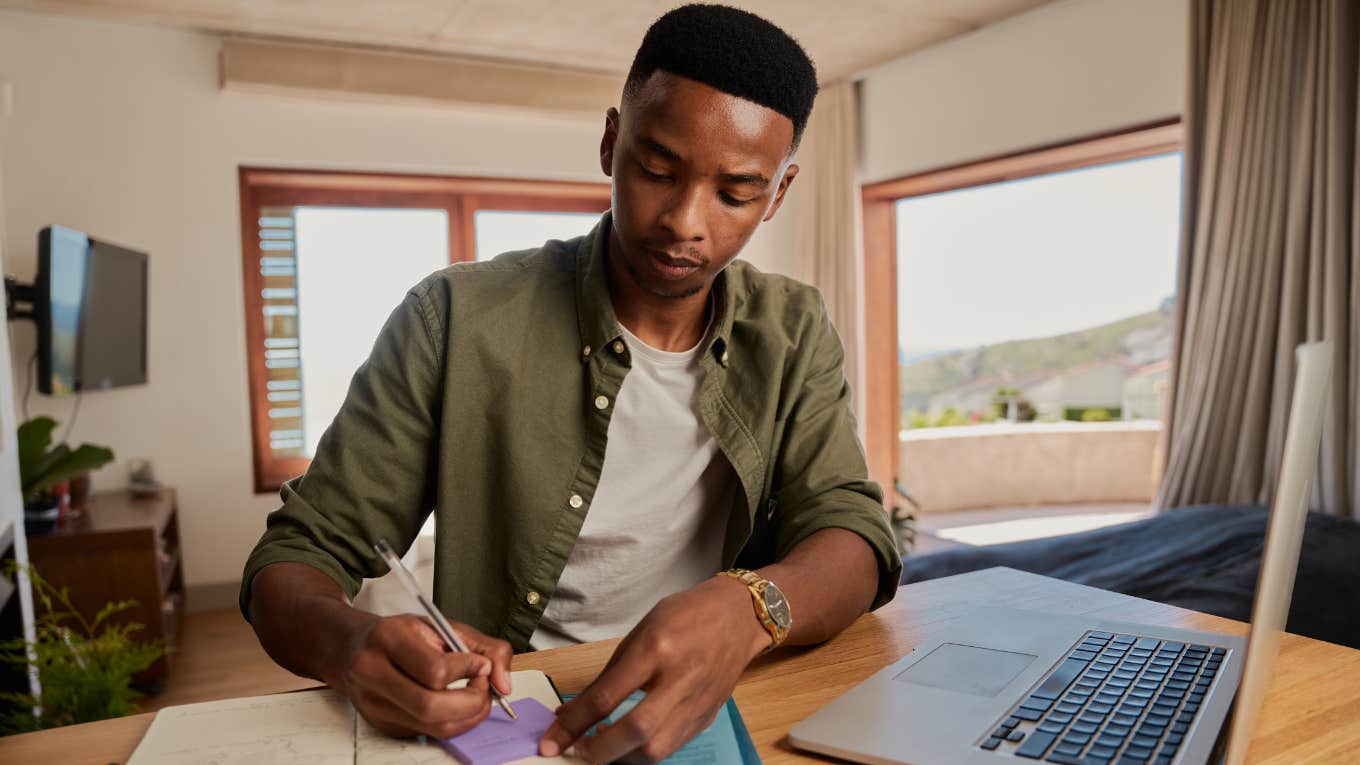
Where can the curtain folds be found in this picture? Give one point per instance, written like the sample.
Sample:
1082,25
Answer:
1270,247
829,249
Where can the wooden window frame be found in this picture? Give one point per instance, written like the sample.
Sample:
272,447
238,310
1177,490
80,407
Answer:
460,197
882,385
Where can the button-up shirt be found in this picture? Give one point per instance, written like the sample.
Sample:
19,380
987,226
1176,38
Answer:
486,400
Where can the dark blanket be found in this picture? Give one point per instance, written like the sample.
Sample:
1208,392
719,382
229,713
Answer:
1202,558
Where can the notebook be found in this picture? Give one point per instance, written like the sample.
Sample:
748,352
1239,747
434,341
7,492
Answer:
313,727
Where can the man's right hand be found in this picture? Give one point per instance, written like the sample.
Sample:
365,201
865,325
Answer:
395,670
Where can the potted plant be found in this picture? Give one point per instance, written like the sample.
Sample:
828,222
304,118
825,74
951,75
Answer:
43,466
84,668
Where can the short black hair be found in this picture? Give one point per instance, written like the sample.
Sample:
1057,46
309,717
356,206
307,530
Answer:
731,50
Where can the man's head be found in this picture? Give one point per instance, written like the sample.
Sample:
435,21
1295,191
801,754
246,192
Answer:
701,149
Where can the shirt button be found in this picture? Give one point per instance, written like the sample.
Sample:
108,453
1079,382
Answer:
532,598
576,501
601,402
585,352
724,357
617,346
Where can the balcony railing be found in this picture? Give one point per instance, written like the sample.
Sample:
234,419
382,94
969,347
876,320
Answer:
1030,464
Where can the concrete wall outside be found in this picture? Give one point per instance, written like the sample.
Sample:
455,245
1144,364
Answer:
1026,464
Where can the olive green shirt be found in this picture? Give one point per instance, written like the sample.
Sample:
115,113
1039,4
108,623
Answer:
486,400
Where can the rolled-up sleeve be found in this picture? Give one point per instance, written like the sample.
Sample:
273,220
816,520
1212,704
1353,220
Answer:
823,479
373,472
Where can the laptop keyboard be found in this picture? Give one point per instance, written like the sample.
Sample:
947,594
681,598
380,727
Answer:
1119,699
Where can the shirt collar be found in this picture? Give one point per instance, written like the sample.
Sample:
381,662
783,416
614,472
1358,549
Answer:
595,310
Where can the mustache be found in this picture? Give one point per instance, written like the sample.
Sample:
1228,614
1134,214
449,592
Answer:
687,254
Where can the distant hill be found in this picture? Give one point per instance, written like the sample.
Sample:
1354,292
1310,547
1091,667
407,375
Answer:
1019,359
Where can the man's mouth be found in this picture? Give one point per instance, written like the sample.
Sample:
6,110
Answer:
670,267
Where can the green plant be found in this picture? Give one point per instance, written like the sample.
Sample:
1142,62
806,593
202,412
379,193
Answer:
85,667
1024,408
950,417
903,520
42,465
1092,413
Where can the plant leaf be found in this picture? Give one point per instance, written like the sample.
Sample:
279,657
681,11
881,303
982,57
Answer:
62,463
34,437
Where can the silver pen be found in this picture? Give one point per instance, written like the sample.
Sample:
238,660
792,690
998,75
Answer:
441,625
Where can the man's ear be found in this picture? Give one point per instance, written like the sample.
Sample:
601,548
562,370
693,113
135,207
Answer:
784,183
611,135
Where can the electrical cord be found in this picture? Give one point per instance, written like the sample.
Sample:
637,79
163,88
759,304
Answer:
28,385
71,421
28,393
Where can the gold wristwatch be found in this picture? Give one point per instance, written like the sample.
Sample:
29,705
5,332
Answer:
771,607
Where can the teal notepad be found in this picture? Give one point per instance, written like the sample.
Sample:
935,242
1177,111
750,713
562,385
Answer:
725,742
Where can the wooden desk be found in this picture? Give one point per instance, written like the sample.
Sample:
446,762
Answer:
1312,712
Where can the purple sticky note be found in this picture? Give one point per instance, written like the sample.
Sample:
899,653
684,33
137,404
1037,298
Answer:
498,739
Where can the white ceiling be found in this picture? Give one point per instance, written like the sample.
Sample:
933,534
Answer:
842,36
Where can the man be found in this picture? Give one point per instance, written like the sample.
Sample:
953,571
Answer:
602,427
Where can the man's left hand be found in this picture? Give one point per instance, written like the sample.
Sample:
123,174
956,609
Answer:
686,655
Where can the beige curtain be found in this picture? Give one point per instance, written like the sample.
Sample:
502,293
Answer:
1270,250
828,248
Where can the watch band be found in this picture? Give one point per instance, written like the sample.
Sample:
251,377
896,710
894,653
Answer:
756,585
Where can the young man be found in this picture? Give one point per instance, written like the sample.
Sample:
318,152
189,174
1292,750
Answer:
607,430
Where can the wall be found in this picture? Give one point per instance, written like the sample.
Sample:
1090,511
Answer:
1065,70
119,130
1029,464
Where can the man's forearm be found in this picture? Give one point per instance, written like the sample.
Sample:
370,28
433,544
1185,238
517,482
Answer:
303,619
829,579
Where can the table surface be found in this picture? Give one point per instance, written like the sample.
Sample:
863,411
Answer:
1311,714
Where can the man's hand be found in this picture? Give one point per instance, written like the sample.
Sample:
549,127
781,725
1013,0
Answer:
686,654
397,670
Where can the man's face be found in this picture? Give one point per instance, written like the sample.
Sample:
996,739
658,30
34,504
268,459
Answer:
695,171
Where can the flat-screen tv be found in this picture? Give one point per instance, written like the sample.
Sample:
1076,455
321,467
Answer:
90,305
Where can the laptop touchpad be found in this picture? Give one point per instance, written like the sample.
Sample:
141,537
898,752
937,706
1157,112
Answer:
967,669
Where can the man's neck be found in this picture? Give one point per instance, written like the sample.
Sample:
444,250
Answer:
664,323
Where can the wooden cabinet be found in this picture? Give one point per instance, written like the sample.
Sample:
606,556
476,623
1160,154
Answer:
121,547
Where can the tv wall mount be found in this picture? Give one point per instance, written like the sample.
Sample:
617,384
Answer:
19,299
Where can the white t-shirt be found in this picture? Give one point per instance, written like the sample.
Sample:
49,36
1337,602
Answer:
657,521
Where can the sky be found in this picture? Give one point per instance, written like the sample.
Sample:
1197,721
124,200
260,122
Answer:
1037,257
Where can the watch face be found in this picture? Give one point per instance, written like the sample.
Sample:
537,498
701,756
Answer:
777,606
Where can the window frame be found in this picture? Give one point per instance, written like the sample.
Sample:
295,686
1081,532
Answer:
460,197
879,207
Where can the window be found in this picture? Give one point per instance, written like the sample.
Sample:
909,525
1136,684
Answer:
1032,286
327,256
1047,298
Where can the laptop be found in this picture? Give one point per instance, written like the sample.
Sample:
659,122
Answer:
1004,685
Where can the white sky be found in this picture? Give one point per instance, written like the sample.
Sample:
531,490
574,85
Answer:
506,230
1037,257
354,267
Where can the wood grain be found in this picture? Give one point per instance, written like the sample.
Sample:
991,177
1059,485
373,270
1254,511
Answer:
882,391
1312,711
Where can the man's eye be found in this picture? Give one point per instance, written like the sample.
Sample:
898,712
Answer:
653,176
734,201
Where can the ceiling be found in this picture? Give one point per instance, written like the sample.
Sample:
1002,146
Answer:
842,36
